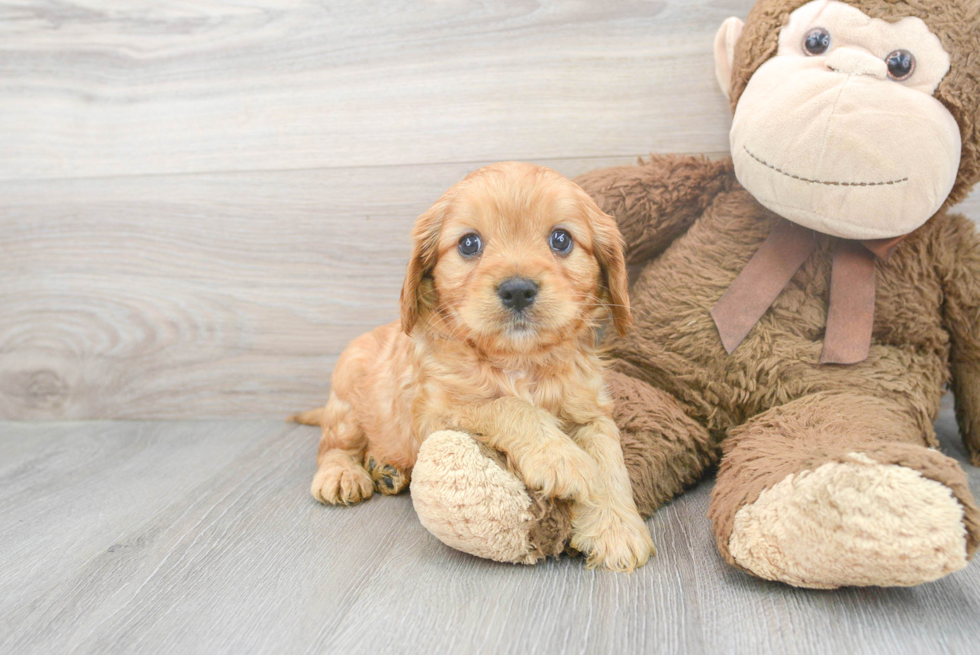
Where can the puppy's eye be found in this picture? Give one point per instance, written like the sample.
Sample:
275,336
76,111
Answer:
470,245
816,42
561,242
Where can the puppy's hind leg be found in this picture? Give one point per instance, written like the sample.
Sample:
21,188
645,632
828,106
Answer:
340,478
388,480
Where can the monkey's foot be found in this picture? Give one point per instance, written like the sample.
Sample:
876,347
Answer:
856,522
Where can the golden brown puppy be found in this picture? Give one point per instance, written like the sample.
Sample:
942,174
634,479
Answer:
513,270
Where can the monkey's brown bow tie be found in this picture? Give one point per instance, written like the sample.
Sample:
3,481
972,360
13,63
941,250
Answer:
850,317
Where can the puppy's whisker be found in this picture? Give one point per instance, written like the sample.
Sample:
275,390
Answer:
456,331
604,304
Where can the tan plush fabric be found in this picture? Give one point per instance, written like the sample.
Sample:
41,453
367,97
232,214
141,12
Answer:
725,42
802,436
955,22
466,497
855,522
830,142
876,37
784,130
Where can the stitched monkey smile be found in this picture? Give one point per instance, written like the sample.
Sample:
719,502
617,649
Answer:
809,181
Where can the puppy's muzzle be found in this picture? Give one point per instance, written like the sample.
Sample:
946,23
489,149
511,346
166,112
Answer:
517,293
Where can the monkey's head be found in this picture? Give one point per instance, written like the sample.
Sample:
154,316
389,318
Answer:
859,119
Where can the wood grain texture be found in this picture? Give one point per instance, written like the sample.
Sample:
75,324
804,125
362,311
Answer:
99,88
194,296
201,203
201,537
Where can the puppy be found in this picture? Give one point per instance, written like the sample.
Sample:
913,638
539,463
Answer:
513,271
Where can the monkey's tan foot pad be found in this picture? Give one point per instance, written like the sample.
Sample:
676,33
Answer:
387,479
852,523
467,498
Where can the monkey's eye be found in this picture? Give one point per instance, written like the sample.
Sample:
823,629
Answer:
470,245
901,65
560,242
816,42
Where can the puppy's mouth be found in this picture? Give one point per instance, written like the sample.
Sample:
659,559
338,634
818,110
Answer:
519,324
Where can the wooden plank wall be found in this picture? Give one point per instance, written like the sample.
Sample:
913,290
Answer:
202,202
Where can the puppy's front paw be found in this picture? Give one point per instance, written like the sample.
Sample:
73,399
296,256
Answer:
341,482
614,542
560,472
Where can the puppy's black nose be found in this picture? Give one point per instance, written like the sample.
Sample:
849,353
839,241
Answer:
517,293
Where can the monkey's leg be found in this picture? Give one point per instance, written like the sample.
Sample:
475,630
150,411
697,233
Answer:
838,489
665,450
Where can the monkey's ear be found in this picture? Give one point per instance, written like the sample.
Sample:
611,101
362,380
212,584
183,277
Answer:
425,240
725,42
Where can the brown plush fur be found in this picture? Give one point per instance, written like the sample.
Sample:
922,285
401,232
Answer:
826,427
665,449
956,22
962,314
551,526
705,228
690,229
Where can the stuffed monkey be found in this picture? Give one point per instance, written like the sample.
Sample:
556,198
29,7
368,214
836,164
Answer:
800,308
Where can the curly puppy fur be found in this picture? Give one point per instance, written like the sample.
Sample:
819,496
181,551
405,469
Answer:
527,382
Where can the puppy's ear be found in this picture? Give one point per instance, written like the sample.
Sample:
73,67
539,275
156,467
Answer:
608,247
425,241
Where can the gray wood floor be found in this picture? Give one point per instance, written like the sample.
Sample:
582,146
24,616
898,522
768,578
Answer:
201,537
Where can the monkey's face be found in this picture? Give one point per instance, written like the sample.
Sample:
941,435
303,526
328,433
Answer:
840,132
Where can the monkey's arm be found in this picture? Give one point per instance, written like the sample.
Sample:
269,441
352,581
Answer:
962,309
657,201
